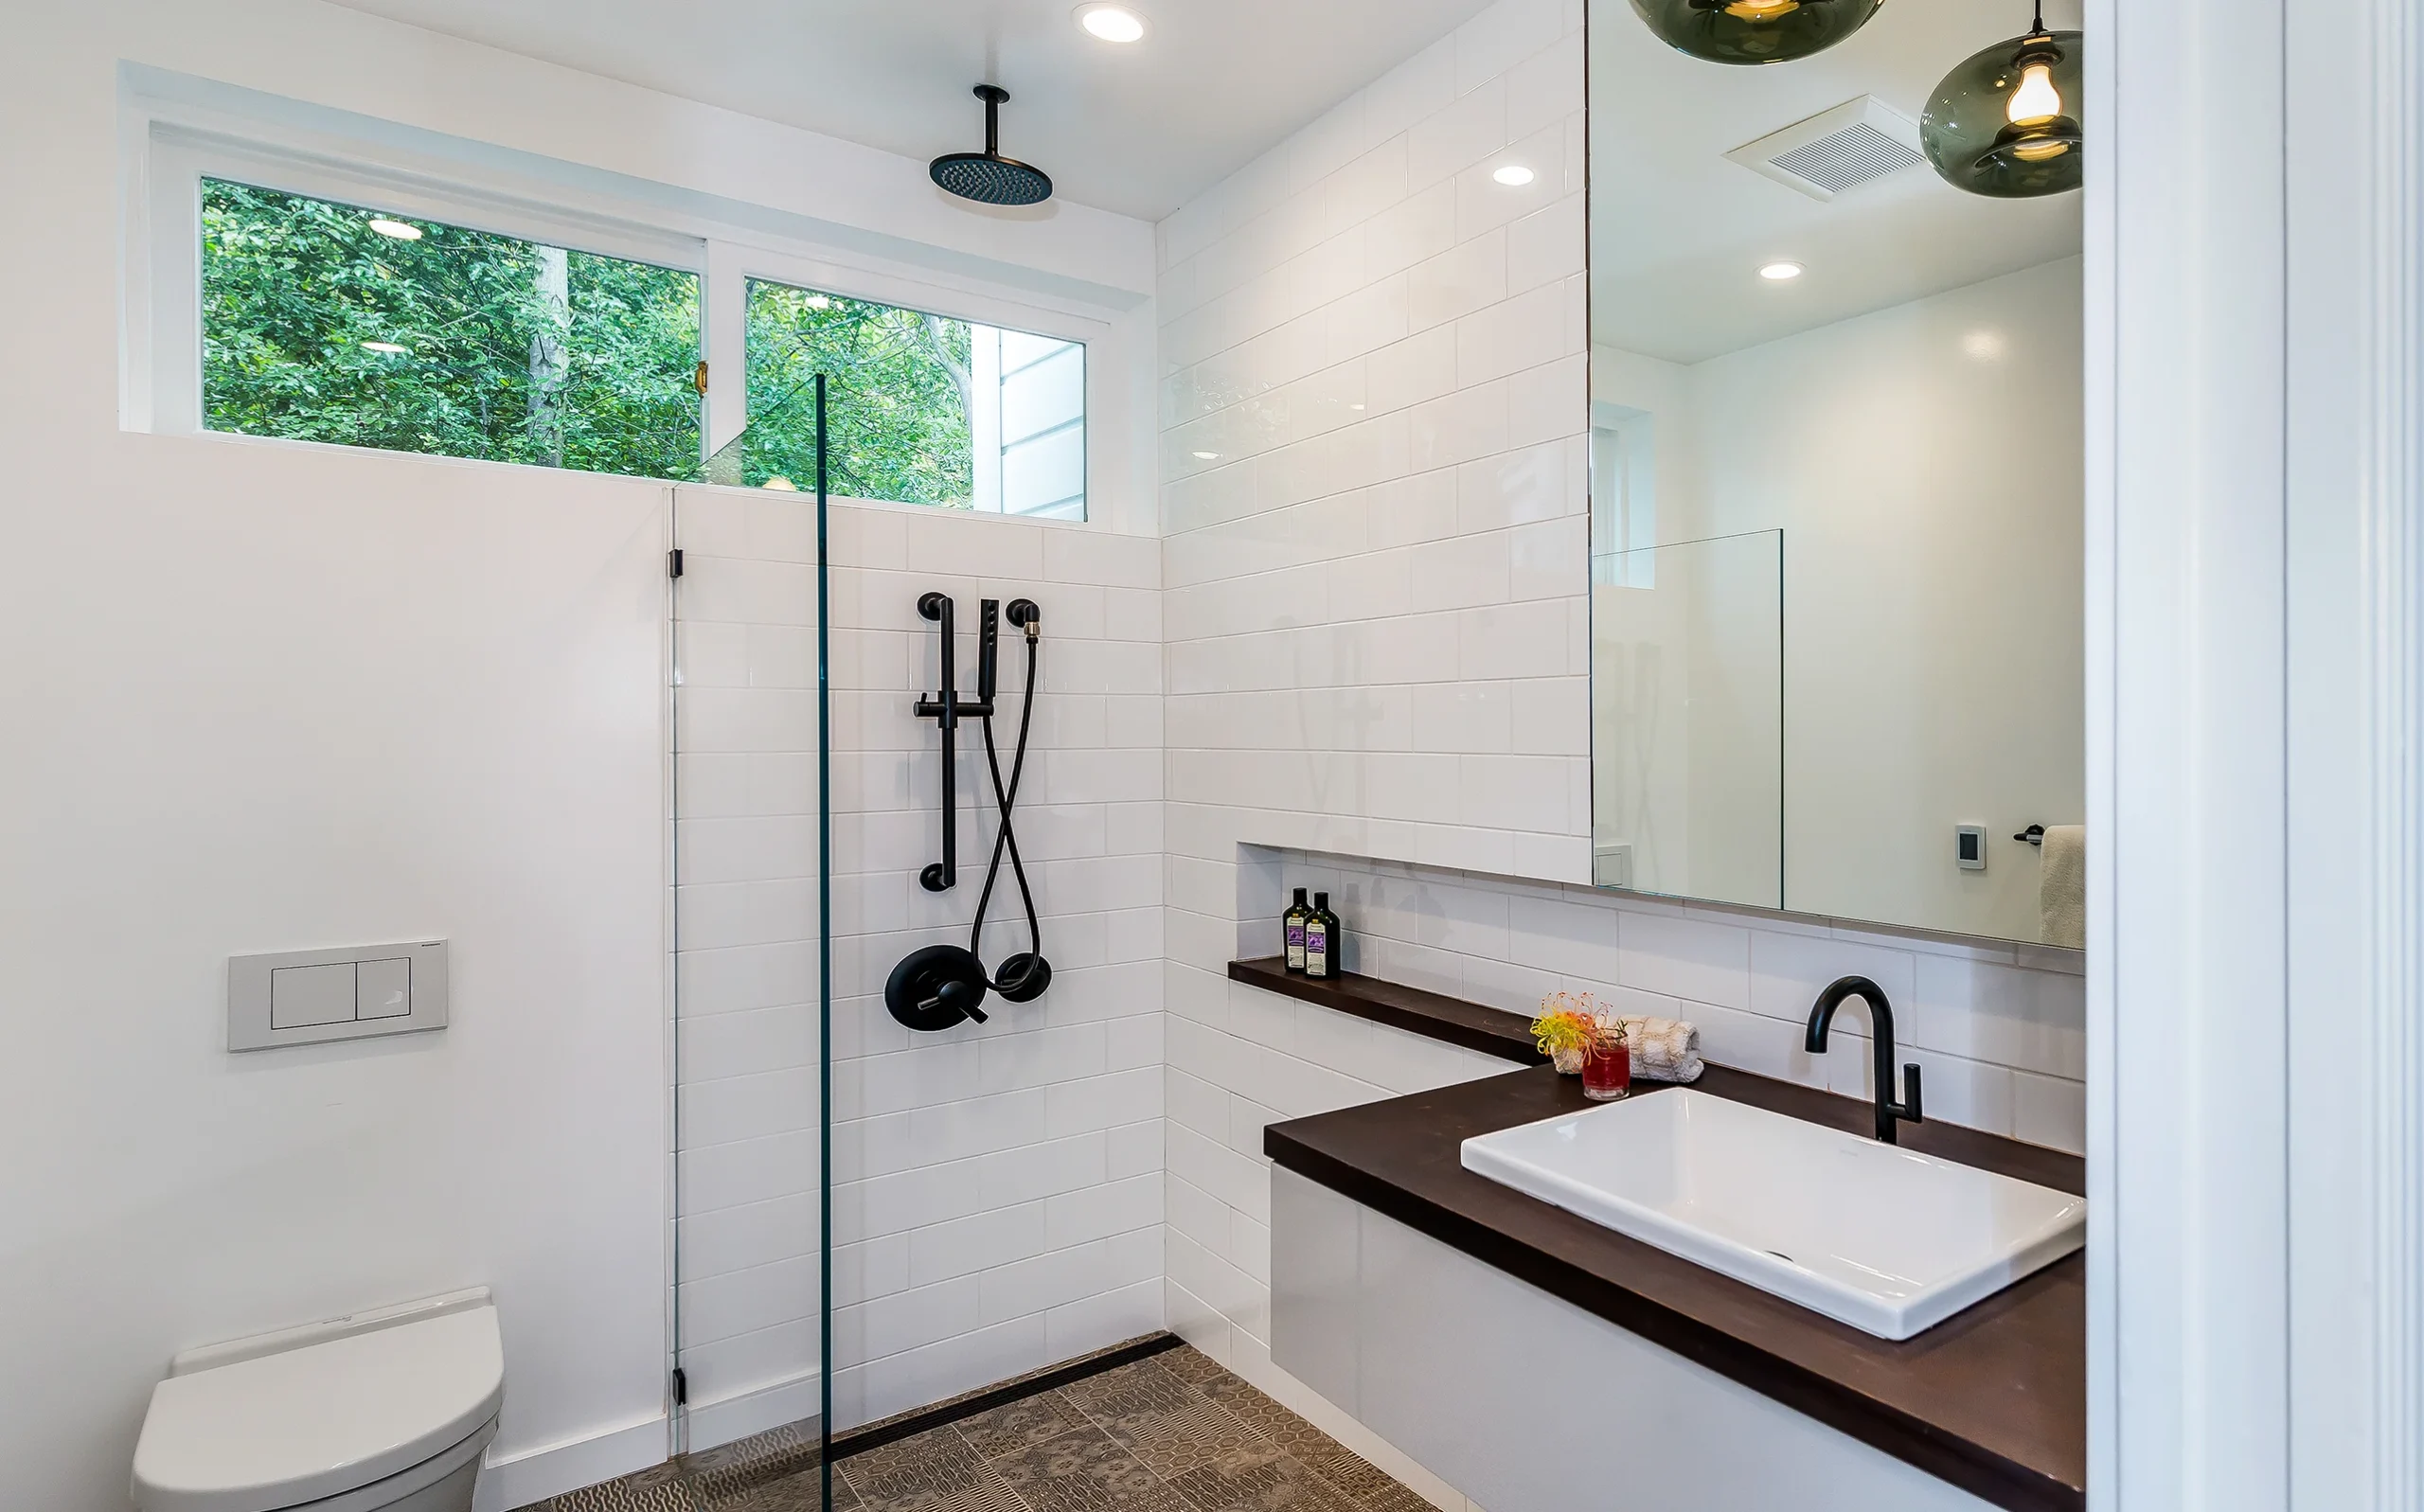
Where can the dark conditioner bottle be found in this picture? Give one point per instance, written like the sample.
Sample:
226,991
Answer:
1291,926
1321,939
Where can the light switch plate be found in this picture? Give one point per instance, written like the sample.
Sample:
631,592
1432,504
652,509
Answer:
352,992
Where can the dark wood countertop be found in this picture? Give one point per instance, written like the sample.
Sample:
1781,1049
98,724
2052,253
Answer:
1993,1399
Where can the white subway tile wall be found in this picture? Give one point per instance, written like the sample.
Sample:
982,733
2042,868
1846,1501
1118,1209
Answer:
2000,1039
1373,455
1374,501
997,1189
1374,462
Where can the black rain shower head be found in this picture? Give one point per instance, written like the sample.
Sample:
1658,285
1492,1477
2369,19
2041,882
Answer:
988,177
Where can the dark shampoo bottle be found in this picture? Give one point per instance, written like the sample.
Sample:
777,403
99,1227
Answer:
1291,927
1321,939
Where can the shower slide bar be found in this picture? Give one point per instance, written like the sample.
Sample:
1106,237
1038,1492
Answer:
947,708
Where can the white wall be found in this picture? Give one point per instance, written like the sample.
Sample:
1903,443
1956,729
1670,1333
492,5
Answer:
997,1191
1378,632
269,696
275,698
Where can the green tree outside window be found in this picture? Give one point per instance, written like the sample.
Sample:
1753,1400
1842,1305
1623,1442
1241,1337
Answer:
896,398
318,327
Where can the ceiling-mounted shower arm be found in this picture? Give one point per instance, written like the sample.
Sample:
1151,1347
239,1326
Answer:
947,708
994,96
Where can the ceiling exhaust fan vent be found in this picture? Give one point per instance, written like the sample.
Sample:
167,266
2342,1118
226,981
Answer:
1858,142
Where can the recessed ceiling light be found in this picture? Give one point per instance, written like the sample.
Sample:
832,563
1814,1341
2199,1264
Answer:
1514,175
387,346
1778,272
398,229
1112,23
1207,456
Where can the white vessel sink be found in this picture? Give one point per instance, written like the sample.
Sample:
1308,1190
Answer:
1885,1239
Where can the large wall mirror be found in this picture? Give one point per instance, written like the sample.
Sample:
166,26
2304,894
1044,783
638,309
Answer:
1837,468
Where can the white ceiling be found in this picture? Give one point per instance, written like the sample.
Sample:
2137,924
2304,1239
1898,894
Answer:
1678,233
1138,129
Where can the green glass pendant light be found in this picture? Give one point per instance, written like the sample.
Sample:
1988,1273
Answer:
2004,123
1753,31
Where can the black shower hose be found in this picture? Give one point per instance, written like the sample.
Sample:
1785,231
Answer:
1006,838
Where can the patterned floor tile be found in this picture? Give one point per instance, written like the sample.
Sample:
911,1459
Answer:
1351,1472
1284,1428
662,1489
1141,1385
803,1491
1020,1425
723,1476
1186,1435
1014,1380
938,1462
1080,1471
1276,1483
986,1493
1191,1365
1395,1498
1171,1433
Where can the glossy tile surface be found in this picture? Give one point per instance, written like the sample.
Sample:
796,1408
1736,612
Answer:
1174,1433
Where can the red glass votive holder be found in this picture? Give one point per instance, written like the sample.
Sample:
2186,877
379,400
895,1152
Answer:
1607,1069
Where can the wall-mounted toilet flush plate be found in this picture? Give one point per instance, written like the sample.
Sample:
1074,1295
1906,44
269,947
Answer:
304,997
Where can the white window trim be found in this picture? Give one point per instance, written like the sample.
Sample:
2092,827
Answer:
168,146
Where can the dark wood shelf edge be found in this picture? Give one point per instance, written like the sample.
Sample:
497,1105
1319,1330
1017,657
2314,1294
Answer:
1974,1469
1432,1015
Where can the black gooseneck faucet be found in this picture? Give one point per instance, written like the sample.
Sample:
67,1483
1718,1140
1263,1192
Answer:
1880,1018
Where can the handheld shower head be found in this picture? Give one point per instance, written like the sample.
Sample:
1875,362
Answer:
989,651
988,177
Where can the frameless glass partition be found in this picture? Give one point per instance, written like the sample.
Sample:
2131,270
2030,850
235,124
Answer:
752,848
796,1150
1688,718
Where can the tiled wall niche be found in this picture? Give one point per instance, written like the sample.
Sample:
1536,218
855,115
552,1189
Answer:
997,1191
1998,1030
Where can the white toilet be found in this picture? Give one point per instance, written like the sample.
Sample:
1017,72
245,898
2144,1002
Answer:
381,1411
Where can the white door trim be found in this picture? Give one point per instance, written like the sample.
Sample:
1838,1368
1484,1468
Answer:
2188,807
2256,723
2354,103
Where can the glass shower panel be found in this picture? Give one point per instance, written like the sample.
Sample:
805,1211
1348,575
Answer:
749,1245
1688,718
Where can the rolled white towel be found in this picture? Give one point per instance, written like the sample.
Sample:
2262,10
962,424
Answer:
1664,1049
